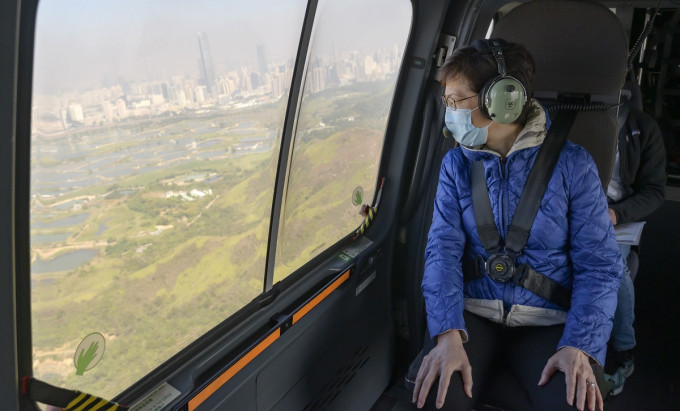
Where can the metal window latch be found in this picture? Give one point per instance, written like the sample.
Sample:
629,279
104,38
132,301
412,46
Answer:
444,49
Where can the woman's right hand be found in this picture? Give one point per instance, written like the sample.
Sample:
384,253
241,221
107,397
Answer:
447,357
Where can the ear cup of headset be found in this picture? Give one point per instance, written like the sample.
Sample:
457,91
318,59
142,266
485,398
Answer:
481,98
503,99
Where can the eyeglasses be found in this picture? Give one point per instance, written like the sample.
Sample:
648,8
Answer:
451,102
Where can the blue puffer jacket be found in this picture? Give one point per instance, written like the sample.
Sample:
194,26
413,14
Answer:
572,239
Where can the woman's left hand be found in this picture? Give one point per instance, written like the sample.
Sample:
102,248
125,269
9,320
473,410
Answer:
579,376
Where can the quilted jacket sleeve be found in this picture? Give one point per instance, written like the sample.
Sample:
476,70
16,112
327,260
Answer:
443,278
596,261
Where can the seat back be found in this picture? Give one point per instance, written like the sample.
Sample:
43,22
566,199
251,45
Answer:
580,49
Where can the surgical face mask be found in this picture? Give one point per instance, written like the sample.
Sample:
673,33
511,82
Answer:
459,123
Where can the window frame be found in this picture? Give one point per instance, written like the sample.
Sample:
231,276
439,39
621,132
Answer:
214,339
234,332
20,161
278,214
287,139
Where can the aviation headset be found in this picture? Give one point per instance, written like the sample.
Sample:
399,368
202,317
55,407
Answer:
502,98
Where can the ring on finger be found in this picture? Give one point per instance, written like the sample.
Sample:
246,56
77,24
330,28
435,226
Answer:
591,384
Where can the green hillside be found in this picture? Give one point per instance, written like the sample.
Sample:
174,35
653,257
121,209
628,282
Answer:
168,269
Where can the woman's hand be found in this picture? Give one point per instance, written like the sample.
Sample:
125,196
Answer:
579,377
445,358
612,216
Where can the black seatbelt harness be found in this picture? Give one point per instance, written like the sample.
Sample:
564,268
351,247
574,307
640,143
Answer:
501,264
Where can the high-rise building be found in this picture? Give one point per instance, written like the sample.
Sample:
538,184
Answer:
107,107
261,61
181,98
121,107
255,80
244,80
370,67
332,78
206,64
75,112
318,79
199,94
189,92
278,84
226,86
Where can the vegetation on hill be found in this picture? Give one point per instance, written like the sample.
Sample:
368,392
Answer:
181,248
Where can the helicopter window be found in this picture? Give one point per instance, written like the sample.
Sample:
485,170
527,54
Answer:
155,135
354,59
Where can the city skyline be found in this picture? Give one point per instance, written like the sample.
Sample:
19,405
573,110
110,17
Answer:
121,98
148,187
141,40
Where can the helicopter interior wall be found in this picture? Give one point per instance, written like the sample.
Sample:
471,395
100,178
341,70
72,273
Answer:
345,353
331,353
8,75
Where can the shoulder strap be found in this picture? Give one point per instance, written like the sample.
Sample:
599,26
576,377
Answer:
486,225
530,201
537,182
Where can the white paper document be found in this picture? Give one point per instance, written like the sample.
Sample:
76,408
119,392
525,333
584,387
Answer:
629,233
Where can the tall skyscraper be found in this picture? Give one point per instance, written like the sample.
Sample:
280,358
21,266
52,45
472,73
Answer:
261,60
206,64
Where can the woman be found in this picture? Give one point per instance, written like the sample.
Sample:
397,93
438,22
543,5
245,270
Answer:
548,347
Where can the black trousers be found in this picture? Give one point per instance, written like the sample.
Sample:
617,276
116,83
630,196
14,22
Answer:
506,366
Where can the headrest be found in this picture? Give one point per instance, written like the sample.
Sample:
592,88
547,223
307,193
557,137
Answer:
635,99
579,46
631,98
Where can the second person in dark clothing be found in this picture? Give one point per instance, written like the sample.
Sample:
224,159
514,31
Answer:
635,191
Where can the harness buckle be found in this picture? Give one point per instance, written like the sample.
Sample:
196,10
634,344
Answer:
500,267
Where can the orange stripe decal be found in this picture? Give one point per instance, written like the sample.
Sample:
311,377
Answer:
231,371
250,355
308,307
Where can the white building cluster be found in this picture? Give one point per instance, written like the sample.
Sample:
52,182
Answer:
190,196
233,89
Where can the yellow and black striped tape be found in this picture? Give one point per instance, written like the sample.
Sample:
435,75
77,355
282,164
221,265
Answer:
89,402
69,400
372,211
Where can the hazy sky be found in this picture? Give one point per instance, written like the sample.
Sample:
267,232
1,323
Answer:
79,42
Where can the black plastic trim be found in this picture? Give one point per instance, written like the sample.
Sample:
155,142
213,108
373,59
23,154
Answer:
21,190
282,322
289,128
9,44
421,157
